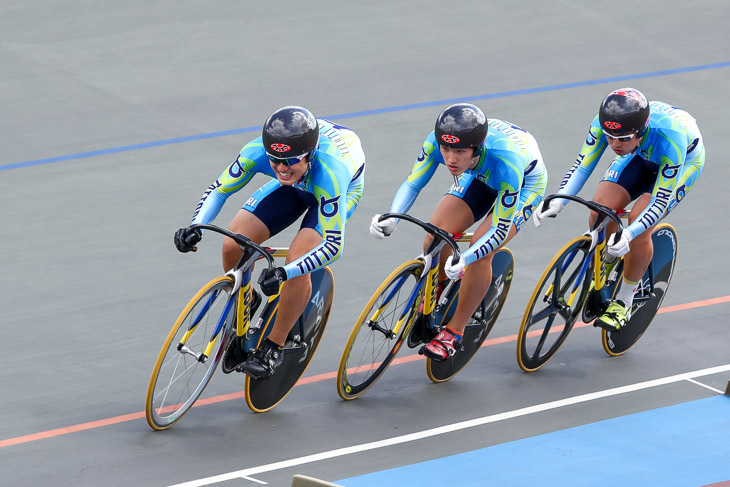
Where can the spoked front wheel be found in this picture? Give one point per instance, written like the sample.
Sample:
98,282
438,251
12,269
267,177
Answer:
190,354
379,331
647,300
555,305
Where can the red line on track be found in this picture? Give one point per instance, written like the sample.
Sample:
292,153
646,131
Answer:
305,380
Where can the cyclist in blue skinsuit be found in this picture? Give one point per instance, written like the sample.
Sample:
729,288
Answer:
497,169
659,156
319,171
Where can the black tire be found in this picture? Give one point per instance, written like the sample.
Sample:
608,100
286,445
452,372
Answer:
373,345
646,305
481,322
263,394
182,371
555,305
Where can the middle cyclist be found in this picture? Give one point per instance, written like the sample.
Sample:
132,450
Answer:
497,169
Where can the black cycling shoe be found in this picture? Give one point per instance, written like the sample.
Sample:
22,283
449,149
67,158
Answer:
234,353
262,361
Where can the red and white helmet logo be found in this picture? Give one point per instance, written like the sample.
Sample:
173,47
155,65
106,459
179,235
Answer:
450,139
280,147
628,93
612,125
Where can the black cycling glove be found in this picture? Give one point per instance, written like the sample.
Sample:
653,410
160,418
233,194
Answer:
270,279
186,238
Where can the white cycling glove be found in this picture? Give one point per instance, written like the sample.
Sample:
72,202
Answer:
454,271
620,248
555,207
382,229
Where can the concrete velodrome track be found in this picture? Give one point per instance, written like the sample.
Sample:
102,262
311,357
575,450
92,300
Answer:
117,115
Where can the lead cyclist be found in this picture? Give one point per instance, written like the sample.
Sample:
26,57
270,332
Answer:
318,170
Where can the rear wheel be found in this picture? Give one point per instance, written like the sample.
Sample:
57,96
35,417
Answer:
380,330
647,303
481,322
190,354
263,394
555,304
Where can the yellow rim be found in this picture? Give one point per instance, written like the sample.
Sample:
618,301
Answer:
429,361
166,347
323,325
358,324
534,297
604,333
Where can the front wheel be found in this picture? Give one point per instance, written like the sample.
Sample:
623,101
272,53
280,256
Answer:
555,304
190,354
379,331
647,302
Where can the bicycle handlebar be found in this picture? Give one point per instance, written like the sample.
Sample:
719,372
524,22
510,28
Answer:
604,211
241,240
429,228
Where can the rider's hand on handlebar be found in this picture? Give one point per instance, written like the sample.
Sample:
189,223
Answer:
556,206
620,248
271,279
382,229
186,238
454,271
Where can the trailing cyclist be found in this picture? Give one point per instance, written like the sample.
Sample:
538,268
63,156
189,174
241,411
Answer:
319,171
499,173
659,156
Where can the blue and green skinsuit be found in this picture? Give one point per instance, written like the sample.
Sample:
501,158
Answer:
672,149
335,181
511,166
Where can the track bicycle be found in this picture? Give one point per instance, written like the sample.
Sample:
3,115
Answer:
220,311
581,281
389,316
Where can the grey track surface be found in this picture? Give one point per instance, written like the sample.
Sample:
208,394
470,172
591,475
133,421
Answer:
90,281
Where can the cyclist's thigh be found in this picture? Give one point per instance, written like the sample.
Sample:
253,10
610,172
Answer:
451,214
248,224
304,241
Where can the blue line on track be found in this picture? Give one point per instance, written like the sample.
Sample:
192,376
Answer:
365,113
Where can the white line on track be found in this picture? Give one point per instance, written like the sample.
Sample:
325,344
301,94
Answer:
454,427
705,386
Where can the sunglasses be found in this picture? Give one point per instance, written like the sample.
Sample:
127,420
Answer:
287,161
620,138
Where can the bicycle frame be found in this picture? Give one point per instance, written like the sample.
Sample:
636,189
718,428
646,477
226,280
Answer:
241,276
430,258
603,283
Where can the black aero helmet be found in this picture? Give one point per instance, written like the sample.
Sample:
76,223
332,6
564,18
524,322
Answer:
461,126
623,112
290,131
